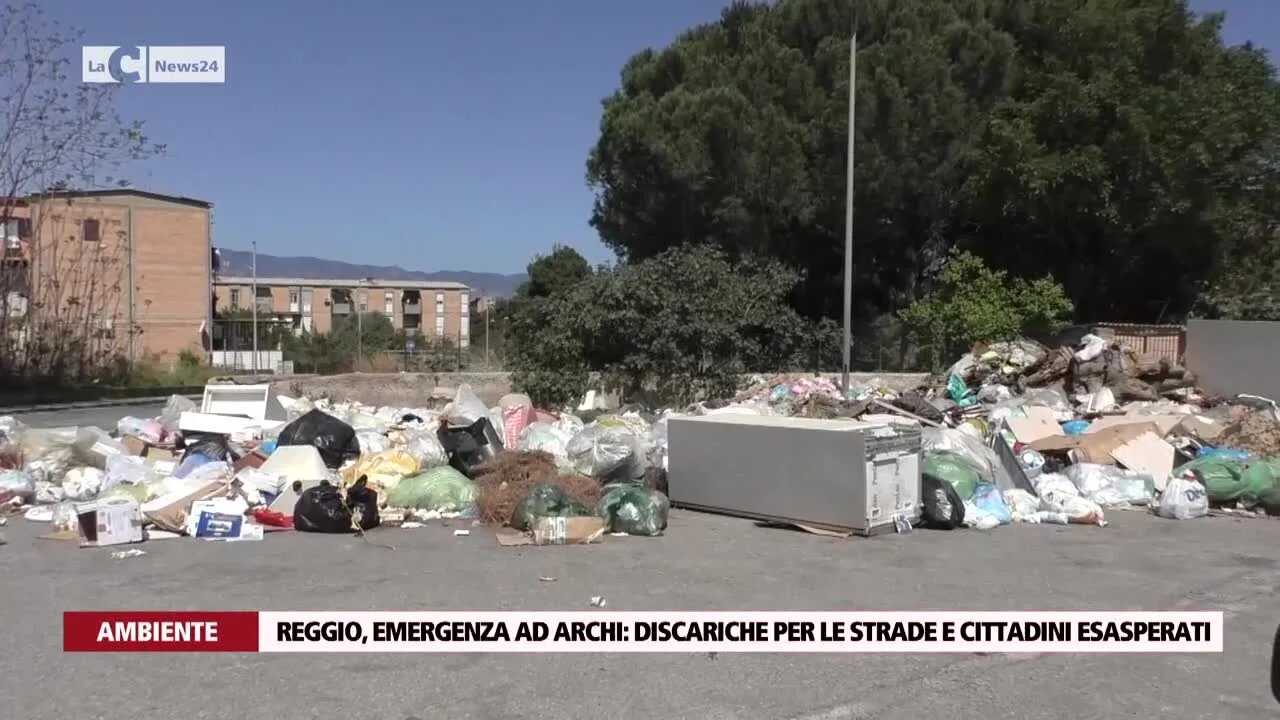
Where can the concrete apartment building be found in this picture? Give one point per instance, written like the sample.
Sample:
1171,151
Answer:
130,271
431,308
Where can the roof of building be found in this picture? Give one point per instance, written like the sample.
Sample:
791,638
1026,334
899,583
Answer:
126,191
343,283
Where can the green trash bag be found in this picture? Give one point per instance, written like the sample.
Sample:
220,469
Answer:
958,391
545,501
1225,480
634,510
955,470
442,489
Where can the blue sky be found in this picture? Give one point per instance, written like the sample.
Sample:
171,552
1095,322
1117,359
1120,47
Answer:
432,135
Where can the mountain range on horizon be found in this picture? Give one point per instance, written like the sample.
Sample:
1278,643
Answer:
239,263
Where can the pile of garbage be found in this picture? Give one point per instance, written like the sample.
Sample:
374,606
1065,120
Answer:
1016,432
1027,434
254,462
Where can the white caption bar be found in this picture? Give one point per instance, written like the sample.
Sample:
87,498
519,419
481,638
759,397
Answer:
753,632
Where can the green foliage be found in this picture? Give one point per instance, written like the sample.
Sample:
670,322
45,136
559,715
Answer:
679,326
554,273
1118,146
973,303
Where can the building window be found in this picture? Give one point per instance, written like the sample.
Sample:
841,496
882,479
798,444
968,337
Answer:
440,325
466,303
90,230
439,303
388,300
235,300
105,329
294,295
464,341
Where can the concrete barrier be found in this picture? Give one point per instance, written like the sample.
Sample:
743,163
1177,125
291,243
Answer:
1230,357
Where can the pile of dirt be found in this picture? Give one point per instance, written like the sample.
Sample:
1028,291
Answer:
1258,432
505,480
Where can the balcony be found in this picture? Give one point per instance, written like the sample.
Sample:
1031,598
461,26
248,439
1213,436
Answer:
264,305
413,308
341,308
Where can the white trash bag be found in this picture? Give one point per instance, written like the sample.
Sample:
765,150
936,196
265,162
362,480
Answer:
1183,499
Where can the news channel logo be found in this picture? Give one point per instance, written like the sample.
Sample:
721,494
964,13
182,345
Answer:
135,64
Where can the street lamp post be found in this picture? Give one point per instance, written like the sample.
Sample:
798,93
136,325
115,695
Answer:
848,221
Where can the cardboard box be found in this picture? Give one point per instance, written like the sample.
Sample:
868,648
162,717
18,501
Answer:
109,521
169,512
1038,423
1095,447
141,448
556,531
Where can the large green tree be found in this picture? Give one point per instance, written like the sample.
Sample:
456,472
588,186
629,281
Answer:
1117,145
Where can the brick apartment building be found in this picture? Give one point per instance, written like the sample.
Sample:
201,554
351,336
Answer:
432,308
130,271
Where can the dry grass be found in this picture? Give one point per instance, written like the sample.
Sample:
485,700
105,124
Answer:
505,480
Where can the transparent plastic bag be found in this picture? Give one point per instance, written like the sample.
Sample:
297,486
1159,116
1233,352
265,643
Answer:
126,470
1022,505
1110,486
173,410
633,510
467,407
372,442
82,483
545,437
1183,499
571,424
48,453
545,501
598,451
988,500
441,489
425,447
1058,495
17,484
971,448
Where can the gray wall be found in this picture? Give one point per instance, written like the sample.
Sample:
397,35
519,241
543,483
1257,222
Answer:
1230,357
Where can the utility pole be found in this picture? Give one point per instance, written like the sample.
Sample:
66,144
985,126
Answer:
255,307
848,220
486,333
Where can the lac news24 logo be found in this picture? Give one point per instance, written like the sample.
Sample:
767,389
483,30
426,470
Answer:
134,64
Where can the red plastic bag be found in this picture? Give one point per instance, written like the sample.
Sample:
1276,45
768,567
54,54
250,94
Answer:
514,420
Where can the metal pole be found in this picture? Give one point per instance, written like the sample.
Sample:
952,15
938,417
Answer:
486,337
255,307
359,328
848,219
129,257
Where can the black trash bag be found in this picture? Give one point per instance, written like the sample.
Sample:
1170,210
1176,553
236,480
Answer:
943,507
362,500
470,445
322,509
210,445
335,439
545,501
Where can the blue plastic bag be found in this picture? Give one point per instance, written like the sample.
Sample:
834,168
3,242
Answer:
1075,427
1223,452
987,498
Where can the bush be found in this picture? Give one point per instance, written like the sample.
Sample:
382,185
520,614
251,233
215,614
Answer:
972,303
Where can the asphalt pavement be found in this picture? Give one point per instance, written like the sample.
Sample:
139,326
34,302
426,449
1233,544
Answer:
105,417
705,562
